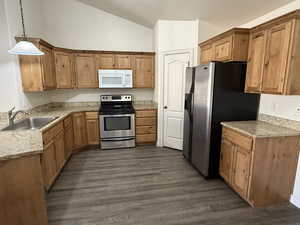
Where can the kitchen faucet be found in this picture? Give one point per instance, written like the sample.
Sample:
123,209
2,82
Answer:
12,116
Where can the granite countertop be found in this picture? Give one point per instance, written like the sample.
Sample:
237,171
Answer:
260,129
15,144
144,105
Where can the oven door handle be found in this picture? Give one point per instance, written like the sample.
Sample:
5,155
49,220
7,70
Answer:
117,139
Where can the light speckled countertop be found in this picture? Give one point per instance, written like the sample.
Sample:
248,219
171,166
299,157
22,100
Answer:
15,144
260,129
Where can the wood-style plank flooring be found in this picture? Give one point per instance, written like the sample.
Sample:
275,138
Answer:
149,186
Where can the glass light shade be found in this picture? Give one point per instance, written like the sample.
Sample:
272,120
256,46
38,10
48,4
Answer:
25,48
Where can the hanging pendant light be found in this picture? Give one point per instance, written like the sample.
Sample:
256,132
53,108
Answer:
24,47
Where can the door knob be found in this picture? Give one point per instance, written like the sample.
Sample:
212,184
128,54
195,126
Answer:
165,107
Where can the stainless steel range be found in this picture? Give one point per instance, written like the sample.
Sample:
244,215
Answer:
117,122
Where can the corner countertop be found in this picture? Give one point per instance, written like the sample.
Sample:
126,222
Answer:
15,144
260,129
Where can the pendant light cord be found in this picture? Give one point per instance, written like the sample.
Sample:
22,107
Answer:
22,17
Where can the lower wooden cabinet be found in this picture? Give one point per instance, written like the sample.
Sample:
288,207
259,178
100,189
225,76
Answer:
59,141
79,127
92,128
146,128
48,162
261,170
69,137
53,157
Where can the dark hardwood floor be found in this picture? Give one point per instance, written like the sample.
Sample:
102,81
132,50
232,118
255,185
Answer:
149,186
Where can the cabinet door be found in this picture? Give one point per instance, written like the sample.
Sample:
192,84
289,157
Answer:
48,162
79,127
223,49
144,72
92,127
106,61
226,160
69,141
60,150
276,58
123,62
207,54
255,64
241,170
64,70
48,71
86,72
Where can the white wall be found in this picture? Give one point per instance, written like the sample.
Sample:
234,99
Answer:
80,26
10,26
282,106
94,95
171,35
73,24
208,30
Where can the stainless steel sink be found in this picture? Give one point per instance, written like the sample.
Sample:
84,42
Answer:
29,123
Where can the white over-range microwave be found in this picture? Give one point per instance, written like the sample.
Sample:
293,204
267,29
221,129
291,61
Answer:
115,78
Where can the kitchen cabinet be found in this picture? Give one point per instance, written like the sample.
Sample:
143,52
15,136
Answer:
114,61
79,127
123,62
86,71
105,61
64,70
256,61
274,57
229,46
260,169
22,195
38,72
206,53
59,140
92,127
48,162
69,137
143,71
146,128
53,156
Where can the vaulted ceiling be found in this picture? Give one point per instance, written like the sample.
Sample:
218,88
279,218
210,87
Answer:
221,13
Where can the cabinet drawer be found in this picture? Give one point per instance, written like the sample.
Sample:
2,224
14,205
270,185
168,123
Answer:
145,138
91,115
146,130
145,113
145,121
48,136
68,122
238,138
57,128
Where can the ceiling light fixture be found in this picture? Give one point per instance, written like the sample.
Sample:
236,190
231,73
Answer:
24,47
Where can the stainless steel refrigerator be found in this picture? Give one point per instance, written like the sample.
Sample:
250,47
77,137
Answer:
214,93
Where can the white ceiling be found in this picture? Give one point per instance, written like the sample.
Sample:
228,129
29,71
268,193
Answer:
223,13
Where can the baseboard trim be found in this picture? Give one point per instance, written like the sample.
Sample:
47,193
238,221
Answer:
295,201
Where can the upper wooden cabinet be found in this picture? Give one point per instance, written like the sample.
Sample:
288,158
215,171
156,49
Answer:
143,71
64,70
114,61
86,72
229,46
38,72
274,56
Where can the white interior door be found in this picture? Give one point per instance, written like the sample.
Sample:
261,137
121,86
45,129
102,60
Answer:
174,88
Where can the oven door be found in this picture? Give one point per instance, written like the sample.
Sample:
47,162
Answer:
117,126
111,79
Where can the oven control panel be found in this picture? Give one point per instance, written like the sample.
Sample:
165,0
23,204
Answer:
116,98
